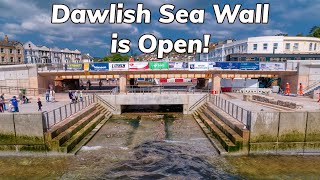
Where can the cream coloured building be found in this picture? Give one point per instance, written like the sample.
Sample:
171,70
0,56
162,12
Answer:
41,54
263,45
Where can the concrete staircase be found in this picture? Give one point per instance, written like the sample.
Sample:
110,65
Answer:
314,87
227,134
75,131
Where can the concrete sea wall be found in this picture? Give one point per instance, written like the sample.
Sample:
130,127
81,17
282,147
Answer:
285,133
187,100
21,132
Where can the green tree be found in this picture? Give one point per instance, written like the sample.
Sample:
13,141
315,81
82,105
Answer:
315,31
282,34
299,35
116,58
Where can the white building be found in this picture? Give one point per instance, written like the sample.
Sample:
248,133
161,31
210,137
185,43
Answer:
86,58
263,45
42,54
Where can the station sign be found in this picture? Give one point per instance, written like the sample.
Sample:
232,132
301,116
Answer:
269,66
73,67
138,65
158,65
198,66
118,66
178,65
99,67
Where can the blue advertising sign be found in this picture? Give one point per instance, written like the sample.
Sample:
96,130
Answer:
234,65
229,65
99,67
249,66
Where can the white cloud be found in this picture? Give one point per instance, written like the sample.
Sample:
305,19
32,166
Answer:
173,26
155,33
271,32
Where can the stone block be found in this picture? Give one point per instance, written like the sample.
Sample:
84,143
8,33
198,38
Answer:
263,148
7,134
292,126
313,127
264,127
29,128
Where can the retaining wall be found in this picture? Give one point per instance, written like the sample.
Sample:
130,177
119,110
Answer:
21,132
285,133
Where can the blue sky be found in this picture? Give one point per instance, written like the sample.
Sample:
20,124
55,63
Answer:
26,20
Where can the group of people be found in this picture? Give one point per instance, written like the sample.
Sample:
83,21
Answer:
76,96
50,95
13,105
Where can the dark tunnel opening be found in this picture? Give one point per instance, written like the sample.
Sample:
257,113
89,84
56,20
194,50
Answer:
152,108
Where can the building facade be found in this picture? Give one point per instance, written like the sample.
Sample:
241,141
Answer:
11,52
263,45
86,58
41,54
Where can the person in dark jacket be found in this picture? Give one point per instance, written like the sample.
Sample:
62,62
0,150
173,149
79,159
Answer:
71,96
39,105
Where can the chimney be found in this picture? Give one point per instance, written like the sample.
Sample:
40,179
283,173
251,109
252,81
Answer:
6,39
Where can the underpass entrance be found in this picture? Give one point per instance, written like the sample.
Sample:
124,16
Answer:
152,108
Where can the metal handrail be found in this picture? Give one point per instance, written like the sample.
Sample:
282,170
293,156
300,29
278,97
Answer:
198,102
99,99
159,89
237,112
59,114
10,89
312,86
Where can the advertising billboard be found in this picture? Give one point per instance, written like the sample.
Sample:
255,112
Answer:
118,66
249,66
268,66
86,66
73,67
99,67
178,65
158,65
233,66
138,65
198,66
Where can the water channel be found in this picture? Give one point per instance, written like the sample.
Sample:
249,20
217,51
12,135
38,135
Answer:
156,146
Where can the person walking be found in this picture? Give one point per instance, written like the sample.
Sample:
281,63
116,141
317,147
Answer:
81,96
71,96
3,102
14,103
39,105
76,96
1,106
300,89
100,84
287,91
48,95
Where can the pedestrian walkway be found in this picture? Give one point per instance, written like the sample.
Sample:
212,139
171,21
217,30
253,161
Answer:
61,100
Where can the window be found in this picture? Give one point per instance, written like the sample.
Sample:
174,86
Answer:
2,59
2,50
310,47
19,52
255,47
287,46
296,46
275,45
315,46
11,59
265,46
11,51
19,59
